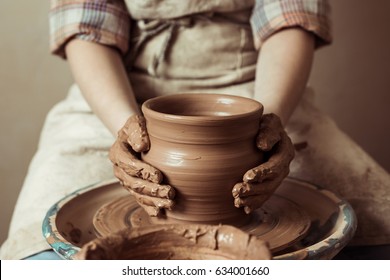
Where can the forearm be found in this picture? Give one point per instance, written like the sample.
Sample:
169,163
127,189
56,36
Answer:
99,72
283,68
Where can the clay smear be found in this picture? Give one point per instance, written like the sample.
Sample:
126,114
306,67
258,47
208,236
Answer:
177,242
280,222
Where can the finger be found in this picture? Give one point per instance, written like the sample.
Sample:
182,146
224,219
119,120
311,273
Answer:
260,173
250,203
143,186
137,134
151,210
244,189
121,156
152,205
276,165
270,132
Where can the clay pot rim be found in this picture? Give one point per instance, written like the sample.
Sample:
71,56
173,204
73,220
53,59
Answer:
147,109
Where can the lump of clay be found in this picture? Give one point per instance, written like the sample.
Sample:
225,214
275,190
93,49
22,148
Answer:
177,242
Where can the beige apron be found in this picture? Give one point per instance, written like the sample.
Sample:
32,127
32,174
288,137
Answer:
192,53
180,57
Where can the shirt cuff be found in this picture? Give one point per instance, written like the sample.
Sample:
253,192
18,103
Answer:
94,21
271,16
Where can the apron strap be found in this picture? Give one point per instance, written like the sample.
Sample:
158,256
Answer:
148,30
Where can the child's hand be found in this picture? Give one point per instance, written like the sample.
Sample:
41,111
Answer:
260,182
139,178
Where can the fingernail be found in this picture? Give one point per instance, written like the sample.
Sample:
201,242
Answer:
250,176
235,191
247,209
237,202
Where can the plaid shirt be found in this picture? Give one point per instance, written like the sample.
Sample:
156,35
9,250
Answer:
108,21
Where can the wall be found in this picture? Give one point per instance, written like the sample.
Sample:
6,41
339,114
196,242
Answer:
350,77
31,81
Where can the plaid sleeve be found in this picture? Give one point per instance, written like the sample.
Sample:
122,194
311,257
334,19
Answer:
101,21
270,16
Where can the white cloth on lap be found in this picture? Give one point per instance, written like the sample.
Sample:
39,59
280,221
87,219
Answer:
72,153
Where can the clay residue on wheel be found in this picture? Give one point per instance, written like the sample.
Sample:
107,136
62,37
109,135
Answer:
177,242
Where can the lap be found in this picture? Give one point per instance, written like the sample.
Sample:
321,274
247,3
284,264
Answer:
72,153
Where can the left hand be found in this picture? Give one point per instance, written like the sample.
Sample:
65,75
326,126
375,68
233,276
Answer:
260,182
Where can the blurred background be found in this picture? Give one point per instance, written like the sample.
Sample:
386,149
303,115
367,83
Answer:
351,78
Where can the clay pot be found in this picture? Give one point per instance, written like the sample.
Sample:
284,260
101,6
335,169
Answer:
203,144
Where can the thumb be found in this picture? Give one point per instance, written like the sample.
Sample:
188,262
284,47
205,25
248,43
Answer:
138,137
270,132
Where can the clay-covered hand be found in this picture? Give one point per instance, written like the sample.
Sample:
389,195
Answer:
139,178
260,182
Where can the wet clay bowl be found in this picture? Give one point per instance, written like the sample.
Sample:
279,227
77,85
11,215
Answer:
203,144
176,242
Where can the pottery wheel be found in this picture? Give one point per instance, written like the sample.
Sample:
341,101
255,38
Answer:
280,221
68,224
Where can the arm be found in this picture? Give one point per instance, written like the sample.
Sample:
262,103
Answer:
102,78
283,68
94,55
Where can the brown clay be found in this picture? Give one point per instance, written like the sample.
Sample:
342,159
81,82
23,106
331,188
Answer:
123,155
177,242
280,222
203,144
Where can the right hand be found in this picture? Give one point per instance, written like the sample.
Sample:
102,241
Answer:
260,182
139,178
